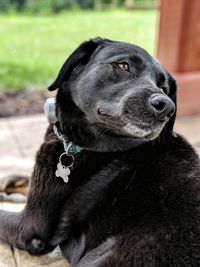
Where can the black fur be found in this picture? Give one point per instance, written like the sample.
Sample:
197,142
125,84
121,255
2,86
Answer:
133,193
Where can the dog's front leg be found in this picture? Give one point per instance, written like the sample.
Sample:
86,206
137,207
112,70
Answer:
85,198
32,228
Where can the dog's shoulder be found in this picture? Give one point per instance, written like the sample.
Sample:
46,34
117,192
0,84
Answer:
50,149
175,154
179,156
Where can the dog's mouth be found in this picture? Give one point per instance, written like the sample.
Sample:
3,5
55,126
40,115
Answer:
136,117
124,126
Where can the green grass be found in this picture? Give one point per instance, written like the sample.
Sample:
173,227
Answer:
32,49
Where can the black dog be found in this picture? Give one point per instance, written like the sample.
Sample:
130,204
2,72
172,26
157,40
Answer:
133,194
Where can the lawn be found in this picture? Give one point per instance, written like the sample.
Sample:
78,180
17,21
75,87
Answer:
32,48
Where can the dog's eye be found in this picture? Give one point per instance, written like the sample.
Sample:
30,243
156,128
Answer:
123,66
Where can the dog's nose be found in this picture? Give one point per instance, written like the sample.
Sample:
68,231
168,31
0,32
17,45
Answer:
162,106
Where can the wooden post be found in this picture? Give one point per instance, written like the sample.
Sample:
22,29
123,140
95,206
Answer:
179,49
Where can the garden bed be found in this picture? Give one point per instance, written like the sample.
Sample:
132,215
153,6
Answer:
22,103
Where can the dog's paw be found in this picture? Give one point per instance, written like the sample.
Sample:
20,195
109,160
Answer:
36,246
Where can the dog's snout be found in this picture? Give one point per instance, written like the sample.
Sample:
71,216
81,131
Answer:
161,106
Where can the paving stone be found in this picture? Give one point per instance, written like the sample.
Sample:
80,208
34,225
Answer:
29,132
189,127
6,140
53,259
20,138
15,165
8,149
16,207
6,256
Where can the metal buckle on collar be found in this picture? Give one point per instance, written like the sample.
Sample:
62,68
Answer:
69,147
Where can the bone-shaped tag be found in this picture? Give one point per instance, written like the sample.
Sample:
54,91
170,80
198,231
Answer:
63,172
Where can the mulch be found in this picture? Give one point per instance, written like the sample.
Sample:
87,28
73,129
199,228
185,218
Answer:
22,103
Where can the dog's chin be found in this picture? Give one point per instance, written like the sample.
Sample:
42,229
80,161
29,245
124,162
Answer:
116,136
147,133
129,129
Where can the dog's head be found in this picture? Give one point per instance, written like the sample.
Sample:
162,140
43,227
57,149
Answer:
114,96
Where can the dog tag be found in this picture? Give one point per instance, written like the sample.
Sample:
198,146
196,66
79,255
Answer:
63,172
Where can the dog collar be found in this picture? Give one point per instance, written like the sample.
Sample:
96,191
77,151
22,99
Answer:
69,147
64,169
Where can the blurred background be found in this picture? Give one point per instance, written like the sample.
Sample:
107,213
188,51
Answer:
36,36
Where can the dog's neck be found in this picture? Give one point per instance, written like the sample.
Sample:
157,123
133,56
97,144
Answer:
88,138
69,146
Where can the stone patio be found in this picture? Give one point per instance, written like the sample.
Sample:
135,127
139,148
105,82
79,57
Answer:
20,138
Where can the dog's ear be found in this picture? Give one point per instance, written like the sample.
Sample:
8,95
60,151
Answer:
172,95
80,56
